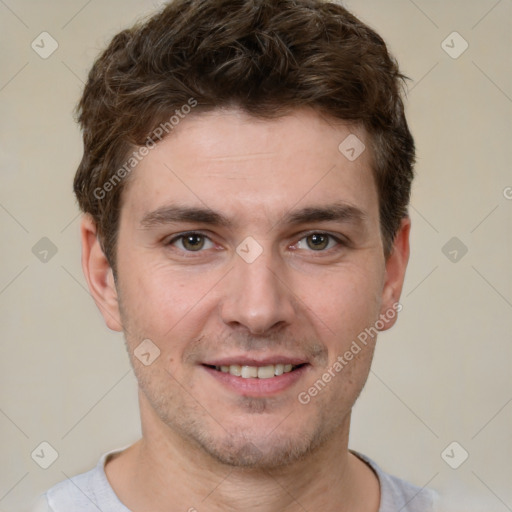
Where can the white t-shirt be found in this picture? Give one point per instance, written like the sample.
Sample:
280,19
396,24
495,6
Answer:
91,492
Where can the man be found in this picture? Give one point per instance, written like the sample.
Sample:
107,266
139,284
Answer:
245,180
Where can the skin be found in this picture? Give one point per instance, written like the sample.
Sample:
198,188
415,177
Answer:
205,445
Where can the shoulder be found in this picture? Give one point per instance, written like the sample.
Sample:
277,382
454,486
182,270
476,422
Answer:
398,494
78,493
86,492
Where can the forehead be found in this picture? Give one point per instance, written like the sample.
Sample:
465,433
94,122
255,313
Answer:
228,161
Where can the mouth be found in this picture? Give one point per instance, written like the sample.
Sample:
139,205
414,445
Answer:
266,371
249,377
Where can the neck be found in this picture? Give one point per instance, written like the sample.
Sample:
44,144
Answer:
163,470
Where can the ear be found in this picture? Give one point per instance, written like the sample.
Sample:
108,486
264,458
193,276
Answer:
396,265
99,275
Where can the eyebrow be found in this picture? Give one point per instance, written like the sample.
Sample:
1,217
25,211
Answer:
170,214
340,212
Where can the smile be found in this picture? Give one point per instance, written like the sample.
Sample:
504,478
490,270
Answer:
257,372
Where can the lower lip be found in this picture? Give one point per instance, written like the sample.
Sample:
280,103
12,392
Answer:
258,387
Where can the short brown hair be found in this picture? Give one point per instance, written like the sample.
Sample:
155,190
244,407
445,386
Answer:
265,57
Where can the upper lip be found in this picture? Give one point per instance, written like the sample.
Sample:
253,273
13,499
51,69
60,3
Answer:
256,361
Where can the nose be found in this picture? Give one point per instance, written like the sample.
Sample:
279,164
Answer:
257,297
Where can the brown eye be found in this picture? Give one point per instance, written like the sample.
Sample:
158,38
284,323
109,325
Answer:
192,242
317,241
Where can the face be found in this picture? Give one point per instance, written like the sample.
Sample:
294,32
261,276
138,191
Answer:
250,255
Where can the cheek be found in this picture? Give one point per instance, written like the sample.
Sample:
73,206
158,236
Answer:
345,301
161,304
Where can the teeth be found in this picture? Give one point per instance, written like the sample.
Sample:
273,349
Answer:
249,371
266,372
235,369
252,372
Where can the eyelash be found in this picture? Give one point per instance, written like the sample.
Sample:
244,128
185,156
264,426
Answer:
340,243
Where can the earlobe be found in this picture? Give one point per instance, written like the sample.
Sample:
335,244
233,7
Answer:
98,274
396,265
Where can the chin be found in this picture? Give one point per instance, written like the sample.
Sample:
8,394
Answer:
243,453
268,447
260,434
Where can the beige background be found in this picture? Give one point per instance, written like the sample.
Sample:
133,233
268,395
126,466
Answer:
443,374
